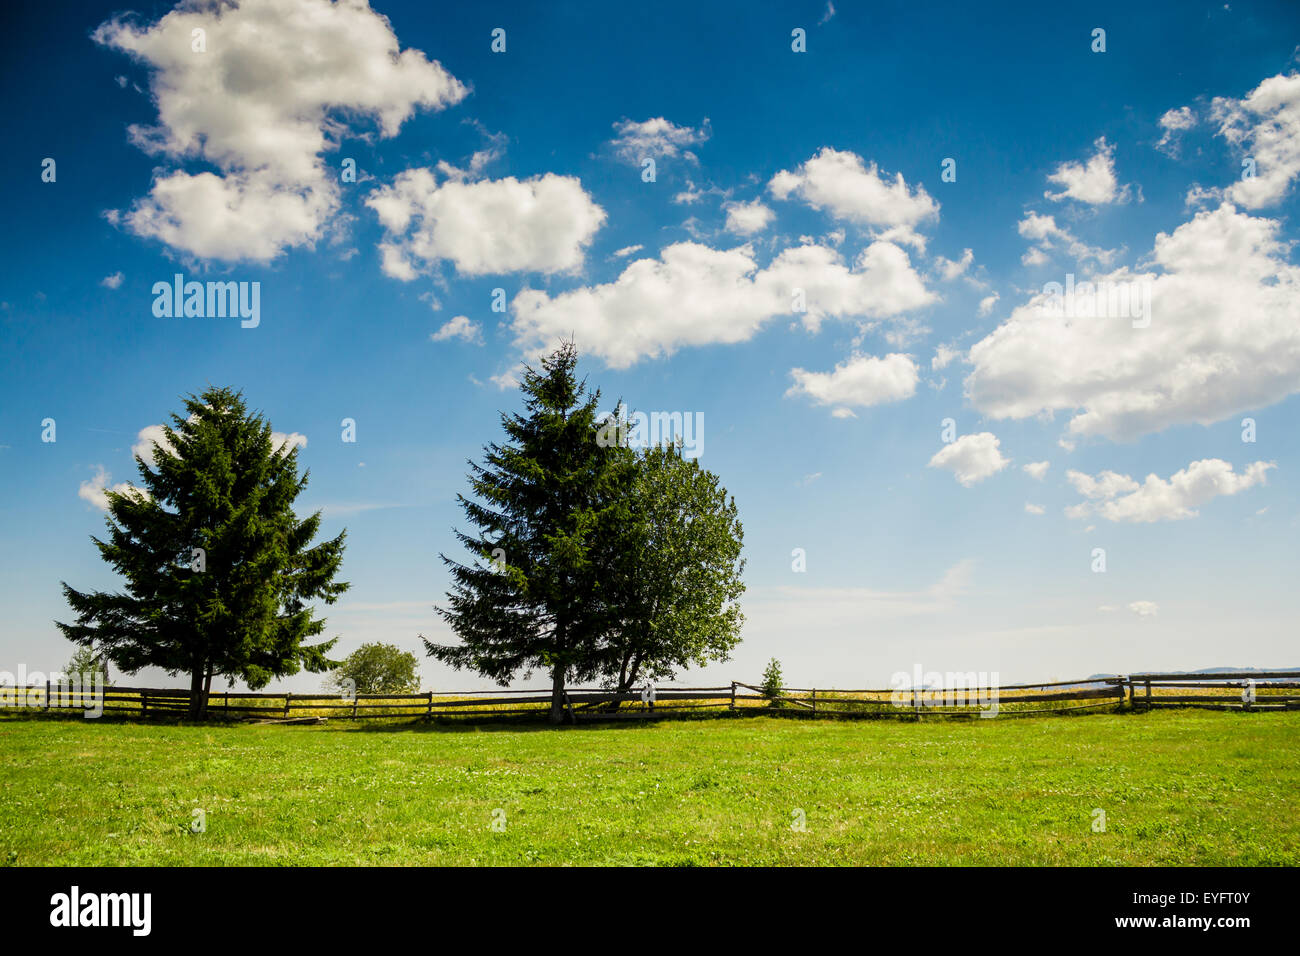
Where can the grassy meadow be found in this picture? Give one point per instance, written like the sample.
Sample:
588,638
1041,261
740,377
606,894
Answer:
1177,787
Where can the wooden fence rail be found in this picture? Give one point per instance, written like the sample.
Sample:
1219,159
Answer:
1262,690
1272,690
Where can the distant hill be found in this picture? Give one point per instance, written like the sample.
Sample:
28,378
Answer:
1208,671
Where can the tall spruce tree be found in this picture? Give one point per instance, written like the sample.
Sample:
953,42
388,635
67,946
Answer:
533,598
218,567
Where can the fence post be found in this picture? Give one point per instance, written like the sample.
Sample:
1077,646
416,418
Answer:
1148,694
287,697
47,695
144,702
429,712
814,700
733,695
356,698
225,706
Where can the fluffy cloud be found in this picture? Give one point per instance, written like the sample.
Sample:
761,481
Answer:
285,442
1036,469
943,357
1032,509
696,295
987,303
95,490
861,381
144,443
1092,182
1174,122
1118,497
1144,608
881,283
1038,227
655,139
747,218
113,281
1223,338
971,458
274,89
1266,125
844,186
458,327
489,227
1045,233
950,269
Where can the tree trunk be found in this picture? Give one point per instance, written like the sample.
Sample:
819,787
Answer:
557,694
197,697
625,681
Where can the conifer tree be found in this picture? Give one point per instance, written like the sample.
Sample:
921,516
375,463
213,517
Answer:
533,597
219,569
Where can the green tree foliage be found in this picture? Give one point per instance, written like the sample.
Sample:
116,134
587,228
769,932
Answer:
773,682
677,571
590,559
219,569
376,669
543,504
86,665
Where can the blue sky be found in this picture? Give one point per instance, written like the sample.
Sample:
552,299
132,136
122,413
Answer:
778,175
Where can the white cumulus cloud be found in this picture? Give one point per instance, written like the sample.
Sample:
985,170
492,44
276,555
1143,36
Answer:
458,327
693,294
861,381
1173,123
655,139
95,489
843,185
489,227
747,218
279,84
950,269
1119,497
971,458
1266,127
1092,182
1223,337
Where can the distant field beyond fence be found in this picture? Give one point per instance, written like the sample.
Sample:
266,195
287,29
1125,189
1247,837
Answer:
1273,690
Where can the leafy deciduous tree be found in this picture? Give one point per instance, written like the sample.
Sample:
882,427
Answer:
376,669
676,572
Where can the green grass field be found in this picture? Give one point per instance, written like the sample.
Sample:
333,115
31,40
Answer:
1177,787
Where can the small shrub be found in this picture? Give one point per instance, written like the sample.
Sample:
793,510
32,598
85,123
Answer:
773,682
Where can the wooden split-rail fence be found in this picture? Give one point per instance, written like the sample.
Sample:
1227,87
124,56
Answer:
1250,691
